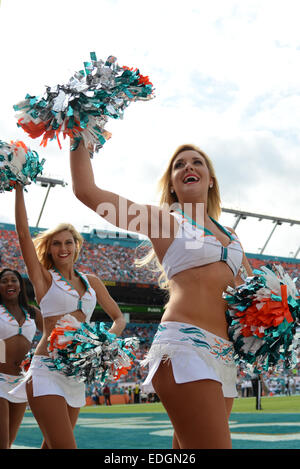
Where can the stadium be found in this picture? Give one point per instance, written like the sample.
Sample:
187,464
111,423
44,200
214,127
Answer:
111,256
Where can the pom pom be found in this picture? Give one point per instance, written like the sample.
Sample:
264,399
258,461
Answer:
88,352
18,164
263,314
81,108
25,364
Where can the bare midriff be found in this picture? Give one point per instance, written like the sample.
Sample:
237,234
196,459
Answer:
49,325
196,297
16,348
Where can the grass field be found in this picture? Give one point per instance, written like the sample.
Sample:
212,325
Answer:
277,404
147,426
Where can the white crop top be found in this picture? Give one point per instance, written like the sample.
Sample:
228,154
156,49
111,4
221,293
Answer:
62,298
195,246
9,326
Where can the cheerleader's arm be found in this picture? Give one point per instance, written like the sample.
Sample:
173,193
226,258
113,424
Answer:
245,270
117,210
109,305
39,319
38,275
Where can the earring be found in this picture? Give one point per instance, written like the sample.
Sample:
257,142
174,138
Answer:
211,185
172,191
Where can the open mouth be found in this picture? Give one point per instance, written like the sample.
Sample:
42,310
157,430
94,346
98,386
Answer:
190,179
11,291
63,256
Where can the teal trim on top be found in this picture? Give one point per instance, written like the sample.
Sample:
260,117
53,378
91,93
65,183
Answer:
224,253
12,316
192,222
79,275
206,231
222,229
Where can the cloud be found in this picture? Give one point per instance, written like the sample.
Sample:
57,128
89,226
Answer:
253,170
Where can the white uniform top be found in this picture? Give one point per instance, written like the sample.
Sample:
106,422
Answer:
9,326
62,298
195,246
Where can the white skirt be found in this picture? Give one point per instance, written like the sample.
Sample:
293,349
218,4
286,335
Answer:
195,354
7,384
46,381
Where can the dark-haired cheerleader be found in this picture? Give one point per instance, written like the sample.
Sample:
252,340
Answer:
18,324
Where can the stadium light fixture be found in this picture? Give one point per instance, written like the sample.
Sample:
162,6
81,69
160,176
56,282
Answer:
241,215
277,223
48,182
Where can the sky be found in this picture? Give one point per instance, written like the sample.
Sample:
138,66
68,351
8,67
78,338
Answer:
227,79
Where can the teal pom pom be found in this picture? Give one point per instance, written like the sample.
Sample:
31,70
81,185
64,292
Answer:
263,315
81,108
18,164
89,353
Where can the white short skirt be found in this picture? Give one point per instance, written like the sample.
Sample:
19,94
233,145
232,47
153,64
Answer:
195,354
7,384
46,381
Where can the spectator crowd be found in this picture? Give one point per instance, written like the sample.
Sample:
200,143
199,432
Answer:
110,262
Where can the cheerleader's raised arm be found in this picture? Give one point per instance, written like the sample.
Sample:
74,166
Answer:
150,219
38,275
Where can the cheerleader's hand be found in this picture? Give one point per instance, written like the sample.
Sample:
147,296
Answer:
108,304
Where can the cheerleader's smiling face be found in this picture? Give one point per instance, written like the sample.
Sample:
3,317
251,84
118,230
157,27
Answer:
9,286
62,248
190,176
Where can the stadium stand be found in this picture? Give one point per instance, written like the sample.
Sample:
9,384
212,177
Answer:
112,257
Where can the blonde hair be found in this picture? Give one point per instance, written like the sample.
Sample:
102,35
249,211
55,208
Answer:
43,240
164,185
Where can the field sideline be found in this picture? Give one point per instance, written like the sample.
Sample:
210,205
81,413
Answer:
277,404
